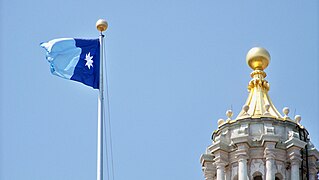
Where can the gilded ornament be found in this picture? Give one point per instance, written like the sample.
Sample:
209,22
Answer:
258,58
101,25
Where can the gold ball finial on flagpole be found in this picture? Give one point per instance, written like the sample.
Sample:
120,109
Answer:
101,25
258,58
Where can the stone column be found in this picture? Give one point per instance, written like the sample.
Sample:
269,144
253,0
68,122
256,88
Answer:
227,173
242,168
209,172
295,160
312,168
269,154
220,167
221,158
295,165
312,174
242,157
207,166
294,145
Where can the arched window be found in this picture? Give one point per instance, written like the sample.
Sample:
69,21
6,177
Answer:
235,177
278,176
257,176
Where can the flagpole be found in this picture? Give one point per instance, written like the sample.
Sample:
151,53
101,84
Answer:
101,25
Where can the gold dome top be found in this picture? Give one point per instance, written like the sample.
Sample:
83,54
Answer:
258,103
258,58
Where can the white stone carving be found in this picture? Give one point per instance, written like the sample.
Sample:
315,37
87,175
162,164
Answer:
292,134
281,169
257,165
243,129
269,130
268,147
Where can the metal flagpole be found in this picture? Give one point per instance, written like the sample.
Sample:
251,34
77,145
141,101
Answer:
101,25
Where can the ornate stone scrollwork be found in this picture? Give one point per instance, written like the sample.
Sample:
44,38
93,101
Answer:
292,134
243,130
257,165
280,169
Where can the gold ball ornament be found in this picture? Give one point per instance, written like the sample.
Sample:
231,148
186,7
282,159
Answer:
298,118
258,58
101,25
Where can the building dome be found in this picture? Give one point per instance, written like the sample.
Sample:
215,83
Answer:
260,143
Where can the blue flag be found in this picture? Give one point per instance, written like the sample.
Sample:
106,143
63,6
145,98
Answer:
75,59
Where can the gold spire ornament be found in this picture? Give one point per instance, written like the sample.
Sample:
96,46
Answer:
258,102
258,58
101,25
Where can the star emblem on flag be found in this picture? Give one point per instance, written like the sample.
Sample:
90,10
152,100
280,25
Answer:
89,61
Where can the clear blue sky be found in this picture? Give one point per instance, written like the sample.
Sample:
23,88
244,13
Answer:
174,67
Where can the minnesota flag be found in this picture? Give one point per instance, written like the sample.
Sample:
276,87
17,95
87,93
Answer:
75,59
